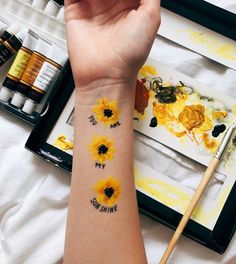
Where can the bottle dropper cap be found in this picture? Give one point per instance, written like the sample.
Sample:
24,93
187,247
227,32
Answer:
18,100
29,107
5,94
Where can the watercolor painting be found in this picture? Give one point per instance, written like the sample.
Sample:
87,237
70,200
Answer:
177,197
198,38
186,116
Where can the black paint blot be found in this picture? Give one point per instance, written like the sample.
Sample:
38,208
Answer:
218,129
154,122
108,113
102,149
109,192
166,95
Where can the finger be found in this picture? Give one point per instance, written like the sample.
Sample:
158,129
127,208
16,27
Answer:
70,2
152,7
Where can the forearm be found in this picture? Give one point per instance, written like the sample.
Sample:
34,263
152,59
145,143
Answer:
103,219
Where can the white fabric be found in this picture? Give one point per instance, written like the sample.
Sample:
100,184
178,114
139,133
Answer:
34,194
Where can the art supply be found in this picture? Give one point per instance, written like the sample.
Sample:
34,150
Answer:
11,46
197,195
18,67
52,8
198,38
61,14
56,59
39,4
183,113
31,72
2,27
9,32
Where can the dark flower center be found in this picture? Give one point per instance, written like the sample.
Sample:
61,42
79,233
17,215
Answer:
108,113
102,149
109,192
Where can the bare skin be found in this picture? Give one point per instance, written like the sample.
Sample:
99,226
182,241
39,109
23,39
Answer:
108,41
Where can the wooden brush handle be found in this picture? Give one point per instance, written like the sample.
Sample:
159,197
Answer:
192,204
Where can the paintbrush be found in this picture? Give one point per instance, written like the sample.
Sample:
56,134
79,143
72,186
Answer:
198,193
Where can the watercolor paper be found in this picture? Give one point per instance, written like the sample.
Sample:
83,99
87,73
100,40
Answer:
184,115
62,134
198,38
172,194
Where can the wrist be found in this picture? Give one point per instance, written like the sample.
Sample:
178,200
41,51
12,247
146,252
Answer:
113,89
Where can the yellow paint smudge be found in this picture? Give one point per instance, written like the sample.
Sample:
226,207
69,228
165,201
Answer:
224,50
147,70
62,144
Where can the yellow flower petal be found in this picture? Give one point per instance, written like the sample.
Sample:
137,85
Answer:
101,187
106,111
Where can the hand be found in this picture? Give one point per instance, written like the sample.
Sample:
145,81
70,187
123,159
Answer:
110,39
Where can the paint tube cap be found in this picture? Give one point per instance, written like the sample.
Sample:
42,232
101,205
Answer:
5,94
52,8
18,100
57,54
61,14
14,29
39,4
22,34
29,107
42,46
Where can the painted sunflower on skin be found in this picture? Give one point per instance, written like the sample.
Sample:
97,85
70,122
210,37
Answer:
108,191
102,149
107,111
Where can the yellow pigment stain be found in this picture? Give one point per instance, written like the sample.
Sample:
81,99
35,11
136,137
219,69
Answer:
148,70
192,116
206,126
210,144
62,144
234,110
163,113
218,115
226,51
164,192
174,197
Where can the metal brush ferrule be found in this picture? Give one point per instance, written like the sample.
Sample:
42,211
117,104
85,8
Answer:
225,141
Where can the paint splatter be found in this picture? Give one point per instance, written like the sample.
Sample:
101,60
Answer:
192,116
141,97
63,144
218,129
185,113
154,122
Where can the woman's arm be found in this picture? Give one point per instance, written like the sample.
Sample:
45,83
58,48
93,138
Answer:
107,47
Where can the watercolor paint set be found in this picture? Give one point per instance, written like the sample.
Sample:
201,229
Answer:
33,55
171,108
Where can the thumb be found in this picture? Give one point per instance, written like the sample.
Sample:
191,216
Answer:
152,7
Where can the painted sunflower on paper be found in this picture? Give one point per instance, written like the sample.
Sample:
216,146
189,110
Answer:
102,149
107,111
108,191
